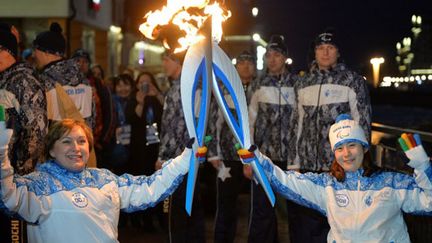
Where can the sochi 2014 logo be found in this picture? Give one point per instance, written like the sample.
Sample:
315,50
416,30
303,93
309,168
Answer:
342,200
79,200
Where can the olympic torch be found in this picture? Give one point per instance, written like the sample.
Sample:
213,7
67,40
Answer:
207,69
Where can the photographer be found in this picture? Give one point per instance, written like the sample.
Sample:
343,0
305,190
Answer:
145,121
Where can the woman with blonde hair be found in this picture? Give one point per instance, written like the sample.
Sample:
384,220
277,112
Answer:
64,201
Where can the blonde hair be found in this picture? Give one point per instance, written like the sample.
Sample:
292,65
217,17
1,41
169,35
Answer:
60,128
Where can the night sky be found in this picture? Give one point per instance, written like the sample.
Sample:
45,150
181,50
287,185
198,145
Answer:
364,28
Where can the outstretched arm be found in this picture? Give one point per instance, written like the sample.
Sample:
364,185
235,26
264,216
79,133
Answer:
418,196
305,189
142,192
16,196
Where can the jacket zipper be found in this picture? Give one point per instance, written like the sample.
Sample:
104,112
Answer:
280,117
357,205
317,130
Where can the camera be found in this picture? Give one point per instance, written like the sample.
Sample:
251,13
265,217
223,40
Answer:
145,88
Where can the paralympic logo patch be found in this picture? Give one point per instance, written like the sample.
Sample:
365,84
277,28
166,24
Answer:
79,199
342,200
343,134
368,201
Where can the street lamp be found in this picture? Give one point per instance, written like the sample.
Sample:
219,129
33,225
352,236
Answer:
255,11
256,37
376,62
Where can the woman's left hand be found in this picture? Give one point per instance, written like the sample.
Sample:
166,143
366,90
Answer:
411,144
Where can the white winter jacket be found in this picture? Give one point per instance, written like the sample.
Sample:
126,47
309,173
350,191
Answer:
63,206
360,209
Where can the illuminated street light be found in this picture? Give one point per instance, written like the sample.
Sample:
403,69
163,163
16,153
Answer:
256,37
115,29
255,11
289,61
260,57
376,62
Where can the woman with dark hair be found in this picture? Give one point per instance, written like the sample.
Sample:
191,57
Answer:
361,203
145,121
65,201
116,153
147,78
98,72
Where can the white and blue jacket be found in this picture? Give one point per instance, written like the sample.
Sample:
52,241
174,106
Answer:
64,206
360,209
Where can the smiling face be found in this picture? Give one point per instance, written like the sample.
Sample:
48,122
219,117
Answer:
71,151
123,89
350,156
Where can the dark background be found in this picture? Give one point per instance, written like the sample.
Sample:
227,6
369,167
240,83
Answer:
365,28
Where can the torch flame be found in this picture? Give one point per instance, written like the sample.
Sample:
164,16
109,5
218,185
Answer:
176,12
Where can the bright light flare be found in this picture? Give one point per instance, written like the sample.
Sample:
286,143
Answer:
376,62
254,11
189,16
256,37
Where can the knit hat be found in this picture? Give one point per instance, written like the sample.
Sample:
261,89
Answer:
8,41
51,41
346,130
82,53
246,56
327,37
276,43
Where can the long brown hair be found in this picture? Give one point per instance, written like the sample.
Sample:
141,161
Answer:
369,168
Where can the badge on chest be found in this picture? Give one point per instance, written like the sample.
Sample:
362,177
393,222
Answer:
79,200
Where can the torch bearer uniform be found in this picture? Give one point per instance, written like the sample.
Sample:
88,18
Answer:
321,96
360,209
65,206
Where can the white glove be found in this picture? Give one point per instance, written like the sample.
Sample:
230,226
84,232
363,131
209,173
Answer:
418,158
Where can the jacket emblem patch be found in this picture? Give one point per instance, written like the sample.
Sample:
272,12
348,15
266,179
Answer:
79,200
368,201
342,200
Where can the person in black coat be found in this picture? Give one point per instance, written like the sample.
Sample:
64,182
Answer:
145,121
145,116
